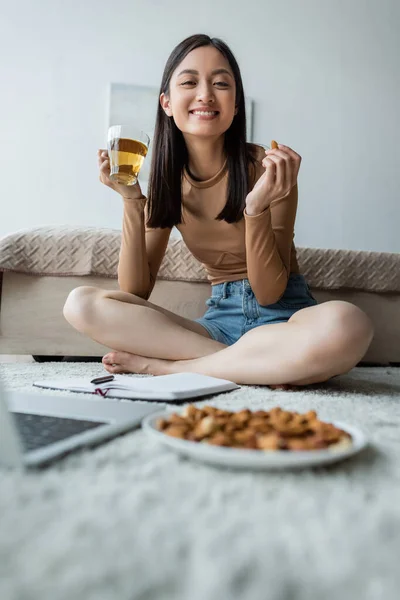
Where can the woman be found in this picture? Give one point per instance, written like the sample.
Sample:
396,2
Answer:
235,206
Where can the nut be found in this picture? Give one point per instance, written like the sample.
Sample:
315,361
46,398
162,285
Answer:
178,420
270,441
271,430
176,431
219,439
205,427
241,416
161,424
189,412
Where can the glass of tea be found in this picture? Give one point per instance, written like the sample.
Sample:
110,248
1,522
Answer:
127,147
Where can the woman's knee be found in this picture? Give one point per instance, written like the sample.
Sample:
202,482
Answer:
355,325
350,333
79,308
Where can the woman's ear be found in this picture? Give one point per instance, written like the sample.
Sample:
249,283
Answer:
236,110
166,105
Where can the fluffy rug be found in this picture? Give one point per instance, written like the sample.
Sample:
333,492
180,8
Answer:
132,520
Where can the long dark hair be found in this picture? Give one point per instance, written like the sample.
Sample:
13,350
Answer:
169,153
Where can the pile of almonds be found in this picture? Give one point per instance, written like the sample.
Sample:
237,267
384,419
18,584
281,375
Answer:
275,429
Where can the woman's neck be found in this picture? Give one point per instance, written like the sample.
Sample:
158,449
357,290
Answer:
206,156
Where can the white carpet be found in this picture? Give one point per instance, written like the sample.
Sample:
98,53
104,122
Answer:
130,520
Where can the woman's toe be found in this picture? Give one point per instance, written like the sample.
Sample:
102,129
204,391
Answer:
108,359
114,369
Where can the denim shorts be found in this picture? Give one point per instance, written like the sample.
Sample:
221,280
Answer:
233,309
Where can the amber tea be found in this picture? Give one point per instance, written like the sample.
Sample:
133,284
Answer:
126,159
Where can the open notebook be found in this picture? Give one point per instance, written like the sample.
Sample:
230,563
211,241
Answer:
177,386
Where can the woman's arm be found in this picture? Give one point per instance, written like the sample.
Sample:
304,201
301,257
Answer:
270,216
142,250
269,238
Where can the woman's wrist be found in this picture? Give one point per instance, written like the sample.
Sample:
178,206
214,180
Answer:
133,198
252,210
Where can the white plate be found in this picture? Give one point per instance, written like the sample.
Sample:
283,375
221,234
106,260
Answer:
254,459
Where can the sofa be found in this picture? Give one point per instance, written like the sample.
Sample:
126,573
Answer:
40,266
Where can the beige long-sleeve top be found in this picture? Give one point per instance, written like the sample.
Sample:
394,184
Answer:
258,247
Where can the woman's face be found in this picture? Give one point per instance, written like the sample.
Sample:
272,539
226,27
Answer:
202,94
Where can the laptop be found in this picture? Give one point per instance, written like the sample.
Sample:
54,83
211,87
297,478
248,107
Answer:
35,429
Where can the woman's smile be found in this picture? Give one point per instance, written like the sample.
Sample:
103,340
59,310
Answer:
204,115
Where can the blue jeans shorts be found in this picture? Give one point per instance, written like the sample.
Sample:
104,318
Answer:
233,309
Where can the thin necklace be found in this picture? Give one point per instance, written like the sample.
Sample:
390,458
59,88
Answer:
196,178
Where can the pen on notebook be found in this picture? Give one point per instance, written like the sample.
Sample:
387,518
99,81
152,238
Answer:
102,379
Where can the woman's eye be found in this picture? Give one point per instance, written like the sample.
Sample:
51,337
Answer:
221,83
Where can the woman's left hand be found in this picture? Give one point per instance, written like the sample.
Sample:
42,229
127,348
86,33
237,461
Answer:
282,165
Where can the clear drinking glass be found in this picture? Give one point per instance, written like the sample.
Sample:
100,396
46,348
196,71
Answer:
127,147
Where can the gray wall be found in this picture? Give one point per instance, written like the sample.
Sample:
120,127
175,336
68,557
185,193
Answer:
324,75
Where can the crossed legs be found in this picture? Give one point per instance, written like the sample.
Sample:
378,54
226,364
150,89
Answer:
316,343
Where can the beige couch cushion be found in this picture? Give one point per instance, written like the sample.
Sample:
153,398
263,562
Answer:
71,251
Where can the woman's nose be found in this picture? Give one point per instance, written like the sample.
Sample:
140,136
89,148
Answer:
205,93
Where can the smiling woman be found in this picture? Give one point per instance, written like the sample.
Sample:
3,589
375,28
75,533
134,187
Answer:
202,96
216,97
235,206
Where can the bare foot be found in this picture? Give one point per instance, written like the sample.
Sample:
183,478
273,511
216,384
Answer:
124,362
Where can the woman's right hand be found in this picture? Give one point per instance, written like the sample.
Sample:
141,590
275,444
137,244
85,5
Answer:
132,192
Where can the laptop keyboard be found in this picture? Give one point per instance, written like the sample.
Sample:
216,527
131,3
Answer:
37,431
